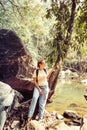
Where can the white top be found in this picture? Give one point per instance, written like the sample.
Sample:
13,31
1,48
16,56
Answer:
42,77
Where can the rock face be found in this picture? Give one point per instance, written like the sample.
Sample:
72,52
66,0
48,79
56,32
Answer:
84,125
7,95
16,68
49,122
10,49
15,63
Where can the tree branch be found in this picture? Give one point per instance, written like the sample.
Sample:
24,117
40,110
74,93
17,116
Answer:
71,22
2,6
59,60
12,2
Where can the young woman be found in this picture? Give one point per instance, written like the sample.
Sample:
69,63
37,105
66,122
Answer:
41,91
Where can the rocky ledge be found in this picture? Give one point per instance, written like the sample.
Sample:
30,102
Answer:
69,120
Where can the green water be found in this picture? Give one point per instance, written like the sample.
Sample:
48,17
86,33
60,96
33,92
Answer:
69,96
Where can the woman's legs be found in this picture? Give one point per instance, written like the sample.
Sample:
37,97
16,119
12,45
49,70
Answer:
33,103
42,101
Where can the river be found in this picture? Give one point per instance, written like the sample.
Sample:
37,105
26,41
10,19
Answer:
69,95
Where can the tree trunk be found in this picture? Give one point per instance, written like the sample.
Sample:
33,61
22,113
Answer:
58,64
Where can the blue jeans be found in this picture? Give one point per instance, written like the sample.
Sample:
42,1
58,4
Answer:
42,101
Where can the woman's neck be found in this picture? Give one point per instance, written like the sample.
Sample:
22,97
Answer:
41,68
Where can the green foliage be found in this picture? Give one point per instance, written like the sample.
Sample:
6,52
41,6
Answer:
80,31
62,13
43,26
78,41
28,20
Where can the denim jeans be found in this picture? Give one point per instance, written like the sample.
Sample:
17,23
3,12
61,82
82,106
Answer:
42,101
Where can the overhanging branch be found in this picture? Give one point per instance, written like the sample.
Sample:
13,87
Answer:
71,22
2,6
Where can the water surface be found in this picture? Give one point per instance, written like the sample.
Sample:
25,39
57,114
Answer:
69,95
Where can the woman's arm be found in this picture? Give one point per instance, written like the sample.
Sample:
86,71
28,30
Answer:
49,74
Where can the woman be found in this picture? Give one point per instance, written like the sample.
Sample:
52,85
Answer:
41,91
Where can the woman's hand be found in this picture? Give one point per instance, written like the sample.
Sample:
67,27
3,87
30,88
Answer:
39,89
49,74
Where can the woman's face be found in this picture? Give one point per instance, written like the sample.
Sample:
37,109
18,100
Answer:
43,65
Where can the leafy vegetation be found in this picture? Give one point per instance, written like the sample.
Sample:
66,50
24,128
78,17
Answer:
46,28
28,20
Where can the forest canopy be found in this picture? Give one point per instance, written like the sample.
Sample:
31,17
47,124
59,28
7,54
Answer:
44,27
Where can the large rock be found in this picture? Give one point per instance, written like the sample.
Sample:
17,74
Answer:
15,63
10,49
6,94
84,123
16,69
34,125
6,99
25,87
70,114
